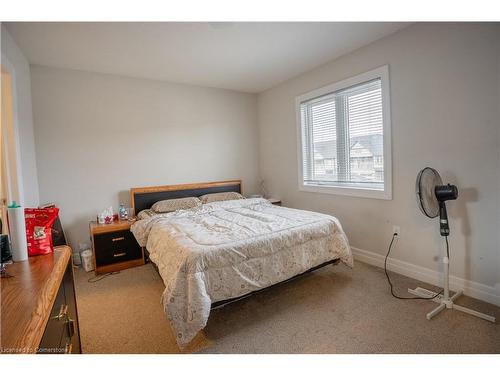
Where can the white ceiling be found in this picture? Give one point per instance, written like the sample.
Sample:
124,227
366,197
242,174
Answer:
250,57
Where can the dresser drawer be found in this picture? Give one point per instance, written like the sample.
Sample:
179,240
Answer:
54,330
114,247
62,334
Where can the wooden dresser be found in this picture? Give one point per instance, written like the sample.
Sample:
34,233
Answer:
38,311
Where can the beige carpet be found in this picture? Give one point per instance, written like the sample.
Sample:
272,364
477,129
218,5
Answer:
332,310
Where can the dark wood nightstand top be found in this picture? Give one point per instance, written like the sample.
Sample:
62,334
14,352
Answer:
96,228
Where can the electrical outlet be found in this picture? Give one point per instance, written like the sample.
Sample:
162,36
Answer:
396,229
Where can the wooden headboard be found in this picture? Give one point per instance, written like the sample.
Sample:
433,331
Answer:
142,198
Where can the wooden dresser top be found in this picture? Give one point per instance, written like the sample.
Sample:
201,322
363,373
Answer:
27,299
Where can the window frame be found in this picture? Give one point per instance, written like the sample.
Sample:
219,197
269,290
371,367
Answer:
339,188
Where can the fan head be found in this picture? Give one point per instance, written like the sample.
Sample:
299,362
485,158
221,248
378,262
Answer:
427,180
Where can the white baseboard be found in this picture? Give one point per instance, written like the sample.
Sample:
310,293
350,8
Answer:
471,288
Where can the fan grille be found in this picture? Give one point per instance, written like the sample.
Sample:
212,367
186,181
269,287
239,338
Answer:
427,180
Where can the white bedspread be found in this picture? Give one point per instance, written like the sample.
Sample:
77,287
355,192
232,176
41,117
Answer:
227,249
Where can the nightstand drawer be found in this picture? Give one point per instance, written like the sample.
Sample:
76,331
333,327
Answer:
110,256
115,247
114,240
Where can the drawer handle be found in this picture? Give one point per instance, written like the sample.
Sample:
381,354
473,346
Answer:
68,348
63,311
70,324
118,239
119,255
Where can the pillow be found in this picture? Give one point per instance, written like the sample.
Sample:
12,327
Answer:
145,214
216,197
170,205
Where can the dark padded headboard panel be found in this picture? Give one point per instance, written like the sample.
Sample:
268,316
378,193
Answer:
144,198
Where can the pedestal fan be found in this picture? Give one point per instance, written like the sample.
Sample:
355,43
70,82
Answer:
431,198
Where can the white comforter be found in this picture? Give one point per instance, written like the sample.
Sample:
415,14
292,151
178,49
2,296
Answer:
227,249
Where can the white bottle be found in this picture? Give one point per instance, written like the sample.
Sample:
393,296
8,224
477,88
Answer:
17,226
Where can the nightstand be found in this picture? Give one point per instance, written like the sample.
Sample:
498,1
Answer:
275,201
114,247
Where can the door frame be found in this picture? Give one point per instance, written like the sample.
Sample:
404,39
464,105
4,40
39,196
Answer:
10,147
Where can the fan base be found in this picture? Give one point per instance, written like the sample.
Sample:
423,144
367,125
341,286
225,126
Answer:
447,303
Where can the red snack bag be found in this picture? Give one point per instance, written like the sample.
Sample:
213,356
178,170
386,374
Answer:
39,229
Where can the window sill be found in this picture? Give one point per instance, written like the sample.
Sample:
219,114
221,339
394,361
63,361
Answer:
348,191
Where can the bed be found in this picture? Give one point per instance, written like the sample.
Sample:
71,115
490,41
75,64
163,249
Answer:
222,251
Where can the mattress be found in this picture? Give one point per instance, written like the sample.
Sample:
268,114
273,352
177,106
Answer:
224,250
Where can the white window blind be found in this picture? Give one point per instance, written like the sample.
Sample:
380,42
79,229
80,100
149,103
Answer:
343,137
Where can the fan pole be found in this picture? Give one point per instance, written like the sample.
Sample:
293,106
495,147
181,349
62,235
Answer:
444,299
446,264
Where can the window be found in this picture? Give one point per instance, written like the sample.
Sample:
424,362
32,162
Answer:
344,137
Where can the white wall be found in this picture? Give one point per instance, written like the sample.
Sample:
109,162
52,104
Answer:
98,135
444,104
18,67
